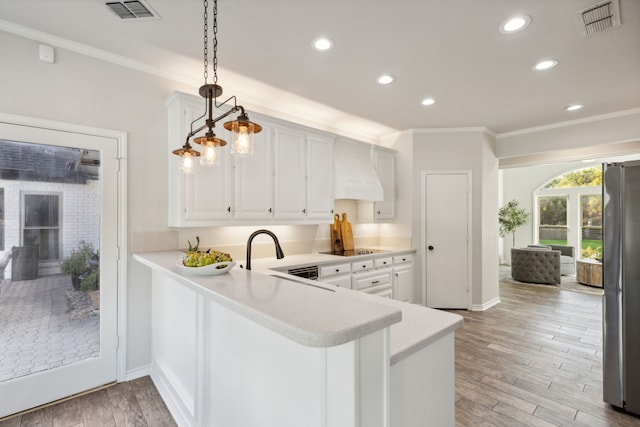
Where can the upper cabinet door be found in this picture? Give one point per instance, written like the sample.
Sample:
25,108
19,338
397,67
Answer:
320,163
207,193
254,178
290,173
386,169
203,197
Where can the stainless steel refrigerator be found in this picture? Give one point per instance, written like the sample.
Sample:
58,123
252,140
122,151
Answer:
621,280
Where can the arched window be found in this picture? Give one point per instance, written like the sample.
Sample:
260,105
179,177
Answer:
569,211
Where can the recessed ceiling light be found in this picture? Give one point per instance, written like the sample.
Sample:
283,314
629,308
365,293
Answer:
546,64
515,24
386,79
574,107
322,44
428,101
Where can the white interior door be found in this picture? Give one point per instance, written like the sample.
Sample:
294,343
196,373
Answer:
446,239
49,351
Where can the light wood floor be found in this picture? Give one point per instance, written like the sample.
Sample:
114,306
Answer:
134,403
535,360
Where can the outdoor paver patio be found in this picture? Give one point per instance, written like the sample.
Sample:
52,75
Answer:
38,330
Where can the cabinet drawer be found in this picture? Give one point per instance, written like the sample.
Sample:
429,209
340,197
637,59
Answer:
332,270
384,292
363,265
399,259
341,281
371,280
382,262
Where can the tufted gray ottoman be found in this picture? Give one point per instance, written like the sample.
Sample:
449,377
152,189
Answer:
535,265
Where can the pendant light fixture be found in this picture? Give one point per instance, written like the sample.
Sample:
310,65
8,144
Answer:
242,129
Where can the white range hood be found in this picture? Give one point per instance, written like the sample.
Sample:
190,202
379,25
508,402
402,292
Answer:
355,174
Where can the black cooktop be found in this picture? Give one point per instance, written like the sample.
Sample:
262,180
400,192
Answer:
355,252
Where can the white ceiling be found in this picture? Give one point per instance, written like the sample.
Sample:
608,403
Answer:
447,49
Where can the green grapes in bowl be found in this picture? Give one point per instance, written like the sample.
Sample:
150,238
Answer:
202,259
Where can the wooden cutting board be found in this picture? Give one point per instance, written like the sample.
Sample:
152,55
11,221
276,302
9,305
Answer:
336,235
347,233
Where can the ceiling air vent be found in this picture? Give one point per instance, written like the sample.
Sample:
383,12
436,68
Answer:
134,9
601,17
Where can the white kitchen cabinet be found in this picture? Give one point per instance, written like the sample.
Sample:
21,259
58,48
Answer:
203,197
288,180
254,178
388,276
290,173
320,177
343,281
377,282
303,175
403,277
336,274
384,161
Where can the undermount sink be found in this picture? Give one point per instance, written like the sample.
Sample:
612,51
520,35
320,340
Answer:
291,279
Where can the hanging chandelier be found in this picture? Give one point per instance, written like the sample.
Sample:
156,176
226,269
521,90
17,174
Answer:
242,129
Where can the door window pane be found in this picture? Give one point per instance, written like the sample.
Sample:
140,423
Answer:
552,226
53,277
591,210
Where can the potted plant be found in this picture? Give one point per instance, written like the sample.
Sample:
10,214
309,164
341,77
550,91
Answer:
510,218
77,264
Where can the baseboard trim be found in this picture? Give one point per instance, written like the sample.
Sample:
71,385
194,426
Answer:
177,403
485,306
134,374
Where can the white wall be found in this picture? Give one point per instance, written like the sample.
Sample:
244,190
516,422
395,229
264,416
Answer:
440,149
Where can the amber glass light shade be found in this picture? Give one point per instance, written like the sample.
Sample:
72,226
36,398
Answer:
187,155
210,155
242,132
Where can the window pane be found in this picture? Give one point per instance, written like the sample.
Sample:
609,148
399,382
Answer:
591,209
47,241
552,220
41,210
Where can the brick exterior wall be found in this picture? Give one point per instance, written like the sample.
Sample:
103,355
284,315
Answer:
80,205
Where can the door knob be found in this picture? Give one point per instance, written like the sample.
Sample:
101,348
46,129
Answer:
430,247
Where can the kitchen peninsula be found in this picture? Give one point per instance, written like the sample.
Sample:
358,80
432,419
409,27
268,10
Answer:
265,348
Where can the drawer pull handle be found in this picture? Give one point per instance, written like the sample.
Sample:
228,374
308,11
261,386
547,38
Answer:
364,266
337,270
375,281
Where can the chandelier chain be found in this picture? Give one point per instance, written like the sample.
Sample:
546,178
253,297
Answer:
215,41
206,41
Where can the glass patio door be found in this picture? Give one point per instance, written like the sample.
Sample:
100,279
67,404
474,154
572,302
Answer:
59,281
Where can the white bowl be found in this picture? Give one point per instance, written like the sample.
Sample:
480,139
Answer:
207,270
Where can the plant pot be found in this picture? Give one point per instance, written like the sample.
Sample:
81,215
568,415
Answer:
75,282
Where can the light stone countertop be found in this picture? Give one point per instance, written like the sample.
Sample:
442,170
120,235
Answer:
312,313
308,313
